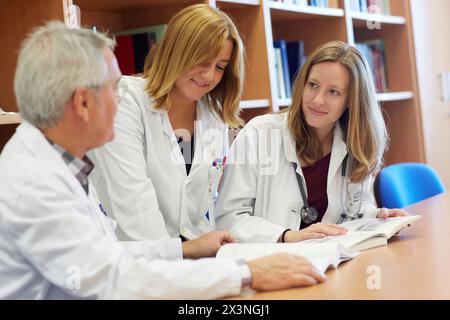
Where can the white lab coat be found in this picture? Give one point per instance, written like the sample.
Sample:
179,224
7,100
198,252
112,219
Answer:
56,243
141,175
260,196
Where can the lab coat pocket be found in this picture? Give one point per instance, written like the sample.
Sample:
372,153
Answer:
292,219
294,208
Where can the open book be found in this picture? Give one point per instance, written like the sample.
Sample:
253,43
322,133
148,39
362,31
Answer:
321,255
368,233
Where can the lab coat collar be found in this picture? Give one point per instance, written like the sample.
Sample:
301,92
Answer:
205,120
37,144
165,121
338,152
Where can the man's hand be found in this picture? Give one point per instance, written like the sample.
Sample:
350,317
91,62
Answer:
282,271
206,245
314,231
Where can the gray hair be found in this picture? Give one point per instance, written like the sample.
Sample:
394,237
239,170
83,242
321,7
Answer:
54,61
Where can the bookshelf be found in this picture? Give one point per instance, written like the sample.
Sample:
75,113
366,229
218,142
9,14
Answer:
260,22
360,19
9,119
306,12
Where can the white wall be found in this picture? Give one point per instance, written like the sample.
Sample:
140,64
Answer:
431,26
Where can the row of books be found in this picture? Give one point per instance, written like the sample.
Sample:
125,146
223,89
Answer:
371,6
374,53
133,46
367,6
319,3
312,3
289,58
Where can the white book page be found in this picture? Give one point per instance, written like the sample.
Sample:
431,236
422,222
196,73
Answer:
320,255
387,227
349,240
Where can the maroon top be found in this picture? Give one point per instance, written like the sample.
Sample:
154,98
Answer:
316,182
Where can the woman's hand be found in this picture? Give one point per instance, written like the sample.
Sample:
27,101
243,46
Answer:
385,213
315,231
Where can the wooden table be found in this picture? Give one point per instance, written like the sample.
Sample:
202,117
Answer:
415,265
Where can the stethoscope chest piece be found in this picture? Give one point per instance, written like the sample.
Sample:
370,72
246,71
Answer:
308,215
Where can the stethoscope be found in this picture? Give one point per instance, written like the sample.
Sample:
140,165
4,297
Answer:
309,214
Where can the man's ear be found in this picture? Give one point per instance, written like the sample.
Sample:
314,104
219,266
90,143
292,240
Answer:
82,100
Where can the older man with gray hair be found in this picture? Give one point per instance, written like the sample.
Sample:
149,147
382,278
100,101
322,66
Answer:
55,239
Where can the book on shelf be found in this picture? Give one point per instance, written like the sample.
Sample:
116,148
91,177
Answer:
379,6
371,6
311,3
374,52
296,2
368,233
281,44
355,5
296,57
279,73
142,44
133,45
321,255
363,5
318,3
333,3
125,54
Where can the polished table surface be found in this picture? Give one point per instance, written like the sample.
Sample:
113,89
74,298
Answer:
414,265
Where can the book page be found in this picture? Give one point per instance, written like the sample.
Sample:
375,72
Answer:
386,227
320,255
349,240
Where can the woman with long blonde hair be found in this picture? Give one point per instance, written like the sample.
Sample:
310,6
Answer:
158,178
314,163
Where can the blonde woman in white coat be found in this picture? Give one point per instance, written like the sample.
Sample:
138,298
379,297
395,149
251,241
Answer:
334,121
190,90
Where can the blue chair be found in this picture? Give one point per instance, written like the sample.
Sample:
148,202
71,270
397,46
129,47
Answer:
402,184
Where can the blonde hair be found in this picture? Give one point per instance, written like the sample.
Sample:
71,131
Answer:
195,35
364,130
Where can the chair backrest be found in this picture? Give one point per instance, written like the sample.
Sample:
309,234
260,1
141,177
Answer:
402,184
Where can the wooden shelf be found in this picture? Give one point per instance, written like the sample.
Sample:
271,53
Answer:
121,5
360,19
286,12
244,2
381,97
394,96
284,102
252,104
10,119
